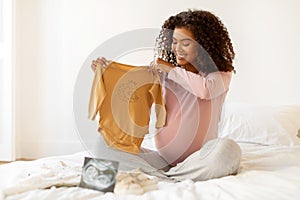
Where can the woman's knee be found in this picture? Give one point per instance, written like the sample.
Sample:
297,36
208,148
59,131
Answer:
224,157
229,155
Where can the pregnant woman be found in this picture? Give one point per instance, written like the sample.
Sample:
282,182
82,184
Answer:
194,57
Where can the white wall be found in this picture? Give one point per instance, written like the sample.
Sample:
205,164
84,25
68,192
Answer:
54,38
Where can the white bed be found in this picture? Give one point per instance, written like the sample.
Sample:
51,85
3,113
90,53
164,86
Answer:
270,165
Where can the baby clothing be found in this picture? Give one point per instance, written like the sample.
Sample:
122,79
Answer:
134,182
123,95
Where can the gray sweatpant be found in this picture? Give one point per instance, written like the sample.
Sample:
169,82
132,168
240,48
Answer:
217,158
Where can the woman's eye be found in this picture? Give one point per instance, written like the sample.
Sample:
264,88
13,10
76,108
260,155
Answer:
174,42
186,44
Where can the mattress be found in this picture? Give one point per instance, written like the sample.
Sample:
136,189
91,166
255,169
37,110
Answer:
266,172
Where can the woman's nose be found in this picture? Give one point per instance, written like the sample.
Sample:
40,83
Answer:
178,48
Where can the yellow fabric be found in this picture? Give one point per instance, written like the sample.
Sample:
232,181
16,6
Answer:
122,95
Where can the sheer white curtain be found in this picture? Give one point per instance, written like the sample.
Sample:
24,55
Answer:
7,141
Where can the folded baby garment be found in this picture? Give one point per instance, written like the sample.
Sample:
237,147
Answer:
134,182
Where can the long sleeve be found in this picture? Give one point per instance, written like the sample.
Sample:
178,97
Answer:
97,94
209,87
156,92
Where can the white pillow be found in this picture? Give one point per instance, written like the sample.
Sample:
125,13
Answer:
260,124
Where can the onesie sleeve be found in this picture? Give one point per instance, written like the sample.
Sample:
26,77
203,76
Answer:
97,94
160,110
208,87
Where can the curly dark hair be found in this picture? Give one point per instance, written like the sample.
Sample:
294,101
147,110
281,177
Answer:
215,51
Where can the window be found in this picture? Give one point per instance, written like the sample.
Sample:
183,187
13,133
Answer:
7,142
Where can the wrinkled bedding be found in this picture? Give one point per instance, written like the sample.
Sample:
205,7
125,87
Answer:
266,172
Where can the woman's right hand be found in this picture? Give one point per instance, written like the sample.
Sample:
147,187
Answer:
102,62
157,66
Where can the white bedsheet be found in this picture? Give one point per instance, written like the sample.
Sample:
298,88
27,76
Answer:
266,172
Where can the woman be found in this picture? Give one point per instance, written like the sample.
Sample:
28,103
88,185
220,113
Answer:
194,57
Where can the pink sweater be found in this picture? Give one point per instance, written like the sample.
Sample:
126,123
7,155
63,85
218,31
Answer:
193,104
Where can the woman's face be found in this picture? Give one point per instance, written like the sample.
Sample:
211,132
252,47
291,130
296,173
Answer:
184,46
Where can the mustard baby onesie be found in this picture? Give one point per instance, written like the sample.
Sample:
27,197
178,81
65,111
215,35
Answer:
122,95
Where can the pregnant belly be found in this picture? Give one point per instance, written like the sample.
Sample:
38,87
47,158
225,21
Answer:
175,144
